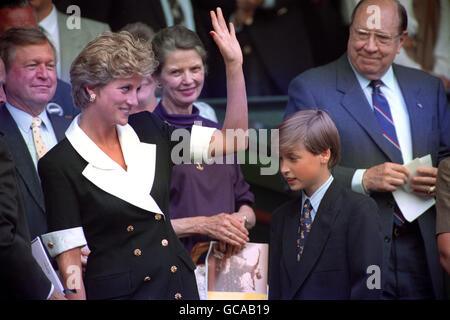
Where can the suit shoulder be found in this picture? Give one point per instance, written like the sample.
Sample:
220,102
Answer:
62,154
355,196
321,73
415,74
149,127
144,121
358,204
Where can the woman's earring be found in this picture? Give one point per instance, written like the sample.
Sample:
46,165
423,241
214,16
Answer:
92,97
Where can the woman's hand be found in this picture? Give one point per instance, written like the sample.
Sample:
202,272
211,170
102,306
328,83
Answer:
225,39
229,250
227,228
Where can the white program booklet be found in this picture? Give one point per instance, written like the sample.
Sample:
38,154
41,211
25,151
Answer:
42,259
411,204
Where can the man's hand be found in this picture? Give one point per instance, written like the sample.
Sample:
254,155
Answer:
424,183
385,177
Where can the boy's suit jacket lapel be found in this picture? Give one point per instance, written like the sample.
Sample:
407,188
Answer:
320,231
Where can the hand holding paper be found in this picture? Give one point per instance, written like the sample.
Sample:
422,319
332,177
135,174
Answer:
412,198
425,181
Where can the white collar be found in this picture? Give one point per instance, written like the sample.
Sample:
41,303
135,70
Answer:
24,119
50,22
318,195
92,153
133,185
388,78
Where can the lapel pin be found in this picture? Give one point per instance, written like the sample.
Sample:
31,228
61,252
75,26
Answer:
420,105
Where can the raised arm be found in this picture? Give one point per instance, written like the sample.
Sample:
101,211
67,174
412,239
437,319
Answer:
236,117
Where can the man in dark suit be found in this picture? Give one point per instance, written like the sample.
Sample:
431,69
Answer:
30,85
21,277
370,160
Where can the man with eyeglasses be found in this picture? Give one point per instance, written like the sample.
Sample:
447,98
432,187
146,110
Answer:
387,115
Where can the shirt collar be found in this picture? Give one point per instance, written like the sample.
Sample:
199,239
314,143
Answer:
317,196
23,119
387,78
50,22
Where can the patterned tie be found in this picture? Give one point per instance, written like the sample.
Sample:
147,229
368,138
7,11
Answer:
304,228
177,13
383,114
39,143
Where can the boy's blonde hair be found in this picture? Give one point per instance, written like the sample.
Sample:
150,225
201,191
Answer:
312,128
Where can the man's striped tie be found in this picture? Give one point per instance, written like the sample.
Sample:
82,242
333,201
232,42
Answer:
383,114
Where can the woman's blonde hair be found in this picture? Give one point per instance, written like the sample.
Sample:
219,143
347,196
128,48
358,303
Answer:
108,57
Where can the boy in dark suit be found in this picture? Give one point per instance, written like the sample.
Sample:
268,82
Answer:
326,244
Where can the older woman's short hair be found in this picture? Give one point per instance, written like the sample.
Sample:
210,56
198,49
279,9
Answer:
20,37
108,57
314,130
175,38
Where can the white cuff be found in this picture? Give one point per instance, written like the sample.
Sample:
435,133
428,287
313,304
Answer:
200,142
60,241
357,181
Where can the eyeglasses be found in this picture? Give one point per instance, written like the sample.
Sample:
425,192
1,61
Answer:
380,38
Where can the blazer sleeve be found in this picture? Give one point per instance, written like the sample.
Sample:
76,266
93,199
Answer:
21,277
62,208
275,251
365,249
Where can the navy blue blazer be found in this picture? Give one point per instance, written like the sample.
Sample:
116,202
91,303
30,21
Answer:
29,183
334,88
344,241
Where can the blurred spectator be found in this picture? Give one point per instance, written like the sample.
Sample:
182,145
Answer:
272,56
68,39
19,13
